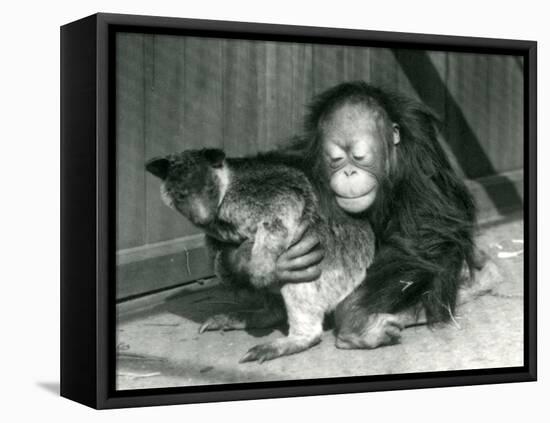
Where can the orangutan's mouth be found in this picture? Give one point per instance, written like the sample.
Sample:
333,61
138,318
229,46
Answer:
356,204
358,197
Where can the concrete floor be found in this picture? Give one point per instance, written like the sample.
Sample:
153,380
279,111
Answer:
158,344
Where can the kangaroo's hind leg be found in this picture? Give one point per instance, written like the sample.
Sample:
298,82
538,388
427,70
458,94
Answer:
305,321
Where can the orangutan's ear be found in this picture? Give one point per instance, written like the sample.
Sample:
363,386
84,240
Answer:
396,134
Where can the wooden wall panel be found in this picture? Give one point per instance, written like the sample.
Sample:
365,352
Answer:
328,67
247,96
202,124
275,95
383,68
130,133
165,111
468,110
302,87
422,75
438,104
357,63
505,113
438,93
241,91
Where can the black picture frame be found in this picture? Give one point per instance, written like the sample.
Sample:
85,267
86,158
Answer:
87,211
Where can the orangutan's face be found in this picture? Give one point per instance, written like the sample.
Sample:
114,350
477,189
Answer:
355,151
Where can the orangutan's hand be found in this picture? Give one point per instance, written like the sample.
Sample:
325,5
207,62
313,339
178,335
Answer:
302,261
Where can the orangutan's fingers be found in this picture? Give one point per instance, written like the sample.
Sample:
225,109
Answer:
305,245
294,276
302,262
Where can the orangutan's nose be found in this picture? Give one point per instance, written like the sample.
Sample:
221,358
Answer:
350,172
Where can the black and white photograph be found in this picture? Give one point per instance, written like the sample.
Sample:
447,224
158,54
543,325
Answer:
275,212
293,211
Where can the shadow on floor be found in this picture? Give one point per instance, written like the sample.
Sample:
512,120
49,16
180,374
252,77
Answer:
197,306
51,387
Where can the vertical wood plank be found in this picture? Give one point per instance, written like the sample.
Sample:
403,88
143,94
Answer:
404,85
505,102
202,124
383,68
130,138
302,85
467,86
515,88
422,75
439,93
276,98
241,126
165,112
439,104
328,67
357,63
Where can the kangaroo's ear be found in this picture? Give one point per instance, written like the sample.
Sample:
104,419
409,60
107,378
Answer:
158,166
215,156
